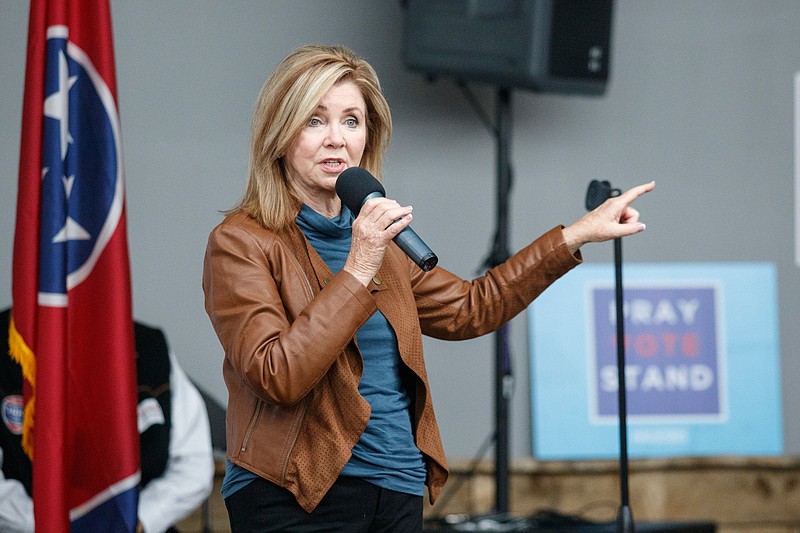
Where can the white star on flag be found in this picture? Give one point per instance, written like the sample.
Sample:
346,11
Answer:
56,105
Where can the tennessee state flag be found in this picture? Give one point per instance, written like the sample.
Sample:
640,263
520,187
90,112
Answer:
72,327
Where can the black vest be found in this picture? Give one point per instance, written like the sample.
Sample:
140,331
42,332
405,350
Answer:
153,368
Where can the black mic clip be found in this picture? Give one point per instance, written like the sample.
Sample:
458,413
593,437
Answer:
598,192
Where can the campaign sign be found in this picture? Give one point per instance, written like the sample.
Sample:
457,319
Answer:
701,362
672,350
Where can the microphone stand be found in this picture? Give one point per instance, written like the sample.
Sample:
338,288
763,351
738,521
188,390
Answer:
597,193
624,515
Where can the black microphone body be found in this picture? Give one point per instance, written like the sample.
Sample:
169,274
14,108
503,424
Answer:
355,186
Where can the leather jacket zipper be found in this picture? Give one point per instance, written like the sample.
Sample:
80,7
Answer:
295,434
252,425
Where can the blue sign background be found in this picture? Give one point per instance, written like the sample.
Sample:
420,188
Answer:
739,415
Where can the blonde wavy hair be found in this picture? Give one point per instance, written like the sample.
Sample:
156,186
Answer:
288,99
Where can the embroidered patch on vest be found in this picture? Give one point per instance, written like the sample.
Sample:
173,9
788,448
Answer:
11,411
150,413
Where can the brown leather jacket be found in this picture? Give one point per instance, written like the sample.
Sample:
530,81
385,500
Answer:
292,367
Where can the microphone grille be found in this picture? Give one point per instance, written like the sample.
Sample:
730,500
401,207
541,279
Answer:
354,184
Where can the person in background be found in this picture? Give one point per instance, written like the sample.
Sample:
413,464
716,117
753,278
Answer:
177,464
330,423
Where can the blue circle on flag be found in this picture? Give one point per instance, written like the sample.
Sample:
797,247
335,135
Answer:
81,173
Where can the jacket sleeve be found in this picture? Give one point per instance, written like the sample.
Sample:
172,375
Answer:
189,476
16,507
454,309
277,334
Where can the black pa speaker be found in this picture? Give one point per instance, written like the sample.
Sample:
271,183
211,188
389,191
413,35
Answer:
560,46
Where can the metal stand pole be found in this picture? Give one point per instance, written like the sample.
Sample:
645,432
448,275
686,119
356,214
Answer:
624,515
503,370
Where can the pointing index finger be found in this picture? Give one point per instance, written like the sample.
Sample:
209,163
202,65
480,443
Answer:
634,192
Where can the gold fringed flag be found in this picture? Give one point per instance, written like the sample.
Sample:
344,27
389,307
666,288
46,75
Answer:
72,326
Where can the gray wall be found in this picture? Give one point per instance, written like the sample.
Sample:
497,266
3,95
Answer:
700,100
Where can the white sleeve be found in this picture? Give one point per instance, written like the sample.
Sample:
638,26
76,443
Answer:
16,507
189,476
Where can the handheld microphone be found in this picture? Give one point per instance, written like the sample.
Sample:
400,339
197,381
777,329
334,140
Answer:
355,186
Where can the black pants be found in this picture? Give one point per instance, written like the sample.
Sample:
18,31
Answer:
351,505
